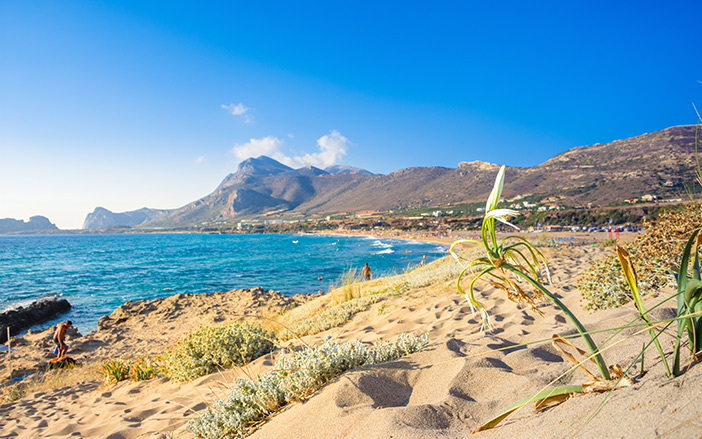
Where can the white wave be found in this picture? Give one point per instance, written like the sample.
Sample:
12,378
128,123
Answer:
25,303
382,244
387,251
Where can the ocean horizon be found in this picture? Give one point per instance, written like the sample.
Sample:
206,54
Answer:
98,273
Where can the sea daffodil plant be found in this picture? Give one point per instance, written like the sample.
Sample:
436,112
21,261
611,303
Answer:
510,263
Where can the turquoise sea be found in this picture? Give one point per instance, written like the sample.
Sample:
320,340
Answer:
98,273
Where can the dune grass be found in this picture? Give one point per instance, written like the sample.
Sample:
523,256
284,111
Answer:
325,313
50,380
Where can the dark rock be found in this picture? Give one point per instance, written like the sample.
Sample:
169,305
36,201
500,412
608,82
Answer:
22,318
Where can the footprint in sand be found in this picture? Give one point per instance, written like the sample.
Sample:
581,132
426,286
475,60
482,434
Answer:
198,407
385,391
546,355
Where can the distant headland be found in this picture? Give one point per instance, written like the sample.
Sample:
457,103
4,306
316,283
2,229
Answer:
36,224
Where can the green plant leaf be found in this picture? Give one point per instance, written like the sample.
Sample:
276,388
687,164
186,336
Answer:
540,400
494,197
682,302
631,279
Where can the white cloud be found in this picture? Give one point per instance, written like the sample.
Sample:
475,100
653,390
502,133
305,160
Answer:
269,146
332,148
200,159
239,110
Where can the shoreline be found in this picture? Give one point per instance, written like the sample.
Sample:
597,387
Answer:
447,240
87,311
457,382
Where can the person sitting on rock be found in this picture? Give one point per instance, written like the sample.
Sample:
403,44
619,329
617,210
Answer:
60,337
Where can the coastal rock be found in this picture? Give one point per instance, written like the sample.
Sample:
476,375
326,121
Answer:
211,307
22,318
102,218
35,224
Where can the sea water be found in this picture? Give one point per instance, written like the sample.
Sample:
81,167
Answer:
98,273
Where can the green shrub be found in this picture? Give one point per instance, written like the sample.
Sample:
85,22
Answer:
653,253
11,393
295,376
609,243
115,370
208,349
143,369
120,369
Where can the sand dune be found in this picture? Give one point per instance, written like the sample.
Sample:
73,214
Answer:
447,389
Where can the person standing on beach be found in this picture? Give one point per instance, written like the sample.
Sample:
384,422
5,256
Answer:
366,272
60,337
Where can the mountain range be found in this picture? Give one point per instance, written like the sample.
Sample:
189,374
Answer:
659,164
35,224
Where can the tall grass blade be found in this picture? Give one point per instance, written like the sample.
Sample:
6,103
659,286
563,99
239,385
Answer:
631,279
682,299
601,365
540,400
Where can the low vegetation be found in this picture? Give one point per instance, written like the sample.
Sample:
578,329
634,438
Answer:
296,376
52,379
317,316
654,253
207,350
331,317
511,264
115,370
139,369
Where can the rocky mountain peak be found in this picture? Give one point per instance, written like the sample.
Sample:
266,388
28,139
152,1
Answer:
478,165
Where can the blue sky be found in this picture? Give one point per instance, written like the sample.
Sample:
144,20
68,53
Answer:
140,103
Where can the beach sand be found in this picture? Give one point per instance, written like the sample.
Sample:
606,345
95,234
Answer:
447,389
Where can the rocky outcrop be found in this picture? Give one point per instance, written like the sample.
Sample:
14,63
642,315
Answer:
207,308
22,318
35,224
343,169
102,218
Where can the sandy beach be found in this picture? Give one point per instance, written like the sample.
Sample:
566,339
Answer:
448,389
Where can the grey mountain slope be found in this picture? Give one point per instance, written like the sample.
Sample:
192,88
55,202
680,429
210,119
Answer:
658,163
36,223
251,168
102,218
343,169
